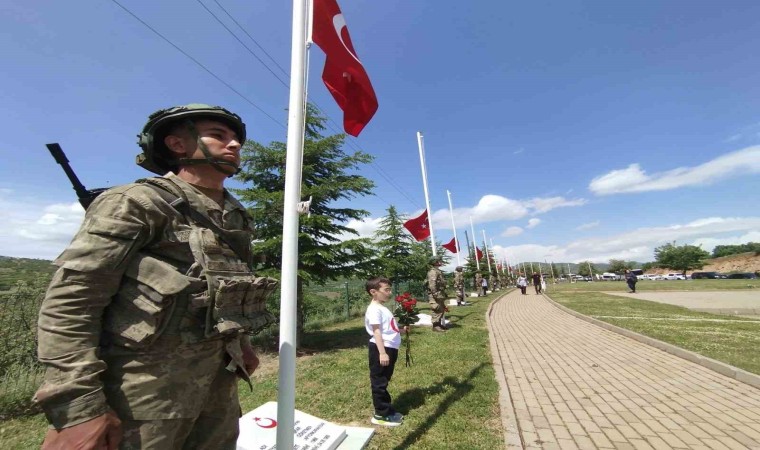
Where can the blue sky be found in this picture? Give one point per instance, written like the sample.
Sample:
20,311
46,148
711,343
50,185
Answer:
567,130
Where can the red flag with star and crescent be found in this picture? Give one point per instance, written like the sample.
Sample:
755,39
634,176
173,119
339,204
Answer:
478,253
344,74
419,226
451,246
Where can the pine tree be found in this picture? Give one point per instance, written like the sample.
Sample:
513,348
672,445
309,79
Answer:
323,252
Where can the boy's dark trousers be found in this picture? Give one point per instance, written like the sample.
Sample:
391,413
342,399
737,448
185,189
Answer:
379,377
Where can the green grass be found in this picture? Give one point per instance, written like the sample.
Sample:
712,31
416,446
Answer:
449,395
663,285
730,339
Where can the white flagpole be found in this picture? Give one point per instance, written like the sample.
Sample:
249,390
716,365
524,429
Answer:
286,393
551,268
488,260
474,243
421,145
531,267
453,227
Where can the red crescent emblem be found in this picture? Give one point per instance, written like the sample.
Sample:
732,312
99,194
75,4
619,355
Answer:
393,325
272,422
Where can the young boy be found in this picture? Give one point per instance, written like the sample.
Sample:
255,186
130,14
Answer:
383,351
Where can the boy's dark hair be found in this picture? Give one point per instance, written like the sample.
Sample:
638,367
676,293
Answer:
375,283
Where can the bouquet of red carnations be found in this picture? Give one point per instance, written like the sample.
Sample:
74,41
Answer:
406,314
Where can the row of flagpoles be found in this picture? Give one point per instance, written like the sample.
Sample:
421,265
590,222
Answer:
321,22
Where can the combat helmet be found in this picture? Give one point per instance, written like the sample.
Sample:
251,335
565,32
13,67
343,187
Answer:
435,260
157,158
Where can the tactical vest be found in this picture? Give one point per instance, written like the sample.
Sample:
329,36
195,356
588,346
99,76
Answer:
218,296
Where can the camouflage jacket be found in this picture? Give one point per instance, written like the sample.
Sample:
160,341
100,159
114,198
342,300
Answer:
458,280
436,284
124,322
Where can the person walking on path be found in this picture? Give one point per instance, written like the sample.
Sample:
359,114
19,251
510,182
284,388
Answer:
384,342
484,285
537,282
144,329
436,287
631,279
522,283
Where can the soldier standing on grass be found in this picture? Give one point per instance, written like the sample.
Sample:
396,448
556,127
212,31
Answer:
144,328
436,287
478,282
459,286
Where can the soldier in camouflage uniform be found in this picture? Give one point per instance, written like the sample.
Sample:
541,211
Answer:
478,282
144,328
436,287
492,282
459,286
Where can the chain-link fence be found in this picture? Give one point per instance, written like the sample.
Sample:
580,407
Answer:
20,373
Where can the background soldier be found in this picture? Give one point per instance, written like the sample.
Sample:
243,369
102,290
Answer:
436,285
459,286
143,328
492,282
478,282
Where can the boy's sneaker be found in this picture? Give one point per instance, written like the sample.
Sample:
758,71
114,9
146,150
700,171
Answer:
393,420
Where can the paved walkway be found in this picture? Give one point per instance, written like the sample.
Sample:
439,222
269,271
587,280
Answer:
572,384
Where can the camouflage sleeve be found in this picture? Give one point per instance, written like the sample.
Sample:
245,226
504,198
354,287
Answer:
69,325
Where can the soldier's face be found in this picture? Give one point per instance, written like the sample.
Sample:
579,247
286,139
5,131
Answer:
221,141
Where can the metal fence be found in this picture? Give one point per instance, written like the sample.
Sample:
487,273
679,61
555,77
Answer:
20,373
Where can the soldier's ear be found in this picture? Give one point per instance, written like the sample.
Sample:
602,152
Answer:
177,145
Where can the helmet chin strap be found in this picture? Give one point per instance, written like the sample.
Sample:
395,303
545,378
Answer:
218,164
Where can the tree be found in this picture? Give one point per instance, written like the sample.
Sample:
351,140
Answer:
648,265
395,248
587,269
323,251
618,266
683,258
726,250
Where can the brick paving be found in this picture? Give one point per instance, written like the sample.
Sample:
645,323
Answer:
574,385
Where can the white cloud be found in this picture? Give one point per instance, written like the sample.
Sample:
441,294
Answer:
512,231
639,244
365,228
542,205
532,223
518,151
635,179
493,208
33,230
587,226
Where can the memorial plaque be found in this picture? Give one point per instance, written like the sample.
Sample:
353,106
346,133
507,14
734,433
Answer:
258,431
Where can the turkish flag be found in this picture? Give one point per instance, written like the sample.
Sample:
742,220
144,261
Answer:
419,226
451,246
343,74
478,253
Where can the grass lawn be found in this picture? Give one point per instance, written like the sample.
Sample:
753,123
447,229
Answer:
730,339
662,285
449,395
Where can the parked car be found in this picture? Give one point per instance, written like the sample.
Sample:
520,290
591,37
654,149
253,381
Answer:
655,277
745,275
698,275
674,276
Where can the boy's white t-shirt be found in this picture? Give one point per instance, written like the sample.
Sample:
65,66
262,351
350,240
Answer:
378,314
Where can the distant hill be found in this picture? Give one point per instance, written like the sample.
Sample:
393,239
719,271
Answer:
25,269
741,262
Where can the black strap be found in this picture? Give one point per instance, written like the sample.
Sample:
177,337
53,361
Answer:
183,207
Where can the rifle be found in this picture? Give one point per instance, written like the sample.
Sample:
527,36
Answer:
86,196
